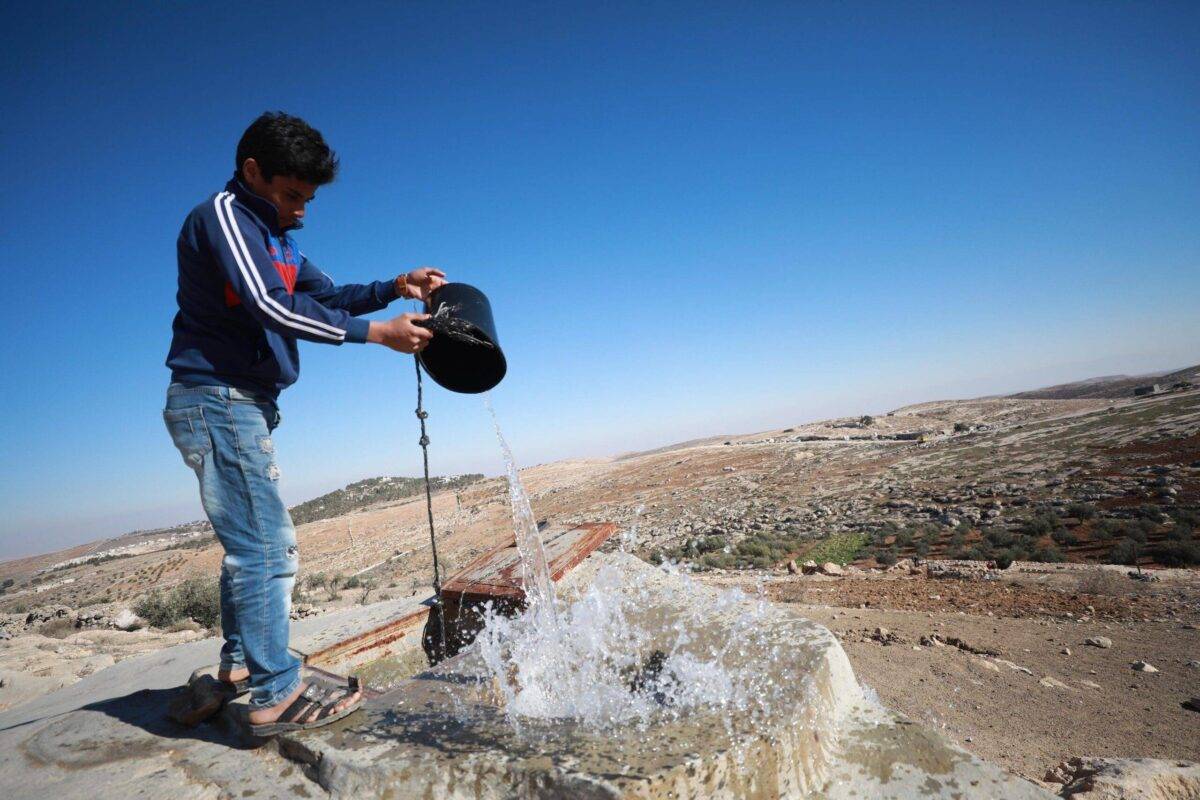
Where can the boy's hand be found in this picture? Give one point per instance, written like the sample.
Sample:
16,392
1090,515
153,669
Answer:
400,333
420,283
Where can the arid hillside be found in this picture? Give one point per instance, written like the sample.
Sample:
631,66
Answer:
1102,480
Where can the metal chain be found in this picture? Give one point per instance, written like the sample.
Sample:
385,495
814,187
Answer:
422,414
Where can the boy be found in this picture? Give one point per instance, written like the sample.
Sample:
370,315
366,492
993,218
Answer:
246,295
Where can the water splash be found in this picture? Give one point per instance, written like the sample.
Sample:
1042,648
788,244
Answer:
535,572
617,655
629,535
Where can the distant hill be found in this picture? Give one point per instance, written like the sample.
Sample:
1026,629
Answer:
1110,386
370,491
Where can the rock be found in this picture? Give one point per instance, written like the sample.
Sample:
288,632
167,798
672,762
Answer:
1143,666
1126,779
1193,664
44,614
128,621
1103,642
830,568
1191,704
1053,683
809,567
1066,651
1091,684
1014,666
792,568
203,697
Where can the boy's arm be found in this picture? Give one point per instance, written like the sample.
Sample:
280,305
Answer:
242,255
355,298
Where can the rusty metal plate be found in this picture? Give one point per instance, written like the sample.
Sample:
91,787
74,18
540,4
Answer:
498,573
374,640
494,575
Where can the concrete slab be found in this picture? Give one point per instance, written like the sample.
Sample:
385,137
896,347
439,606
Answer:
444,734
497,574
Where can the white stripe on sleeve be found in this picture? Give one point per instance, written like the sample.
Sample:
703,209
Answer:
254,282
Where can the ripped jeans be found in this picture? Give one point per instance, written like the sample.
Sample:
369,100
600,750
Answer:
224,435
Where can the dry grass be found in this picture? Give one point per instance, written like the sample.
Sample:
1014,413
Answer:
1105,582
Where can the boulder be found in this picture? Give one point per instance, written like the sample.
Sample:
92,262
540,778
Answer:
1102,642
1126,779
126,620
830,568
809,567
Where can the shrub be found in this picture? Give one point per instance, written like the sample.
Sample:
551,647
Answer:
1150,512
1124,552
1139,530
1108,529
1177,553
1064,537
717,560
1004,559
887,557
1000,537
1082,511
1184,516
353,582
921,548
1040,524
1049,553
196,598
979,553
1182,532
58,628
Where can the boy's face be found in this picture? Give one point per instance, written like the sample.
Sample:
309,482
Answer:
290,195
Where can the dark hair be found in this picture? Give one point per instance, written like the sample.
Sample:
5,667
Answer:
285,145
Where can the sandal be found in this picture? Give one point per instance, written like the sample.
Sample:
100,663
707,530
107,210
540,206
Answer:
316,695
236,688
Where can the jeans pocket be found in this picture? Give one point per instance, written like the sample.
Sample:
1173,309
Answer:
190,434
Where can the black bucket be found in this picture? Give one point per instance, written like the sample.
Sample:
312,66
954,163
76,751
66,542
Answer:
457,362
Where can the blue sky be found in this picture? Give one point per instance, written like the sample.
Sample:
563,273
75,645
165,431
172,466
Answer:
690,218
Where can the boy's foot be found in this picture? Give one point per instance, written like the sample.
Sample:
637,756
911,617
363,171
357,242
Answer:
264,716
233,677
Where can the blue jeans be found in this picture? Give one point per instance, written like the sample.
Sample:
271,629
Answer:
224,435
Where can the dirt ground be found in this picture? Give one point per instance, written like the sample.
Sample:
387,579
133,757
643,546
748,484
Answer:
1046,695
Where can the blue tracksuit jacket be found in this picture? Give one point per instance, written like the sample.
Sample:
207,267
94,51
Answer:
246,294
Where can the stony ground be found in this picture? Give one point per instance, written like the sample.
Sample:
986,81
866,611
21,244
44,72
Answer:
933,480
1012,678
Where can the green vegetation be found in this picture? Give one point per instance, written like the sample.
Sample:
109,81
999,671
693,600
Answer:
762,549
1082,511
1124,552
840,548
372,490
198,599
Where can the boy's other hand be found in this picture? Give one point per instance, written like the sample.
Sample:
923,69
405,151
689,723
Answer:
420,283
400,333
